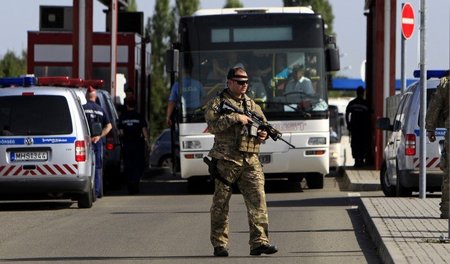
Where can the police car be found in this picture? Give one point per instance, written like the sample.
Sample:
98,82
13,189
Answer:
45,147
399,175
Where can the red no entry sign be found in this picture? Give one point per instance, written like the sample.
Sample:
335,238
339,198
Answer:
407,20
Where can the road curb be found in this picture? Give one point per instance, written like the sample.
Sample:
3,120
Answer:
361,180
383,251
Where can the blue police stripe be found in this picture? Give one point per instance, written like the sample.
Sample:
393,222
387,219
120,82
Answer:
38,140
440,132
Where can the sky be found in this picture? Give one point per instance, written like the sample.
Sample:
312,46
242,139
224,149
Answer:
349,26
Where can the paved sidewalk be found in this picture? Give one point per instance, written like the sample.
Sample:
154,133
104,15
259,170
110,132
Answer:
407,230
404,230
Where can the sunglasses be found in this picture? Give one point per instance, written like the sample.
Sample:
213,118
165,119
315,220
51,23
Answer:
241,82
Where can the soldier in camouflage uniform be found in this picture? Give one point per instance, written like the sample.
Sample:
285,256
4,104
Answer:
236,149
437,114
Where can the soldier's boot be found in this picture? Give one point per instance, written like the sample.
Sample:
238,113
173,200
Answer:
443,206
264,249
220,252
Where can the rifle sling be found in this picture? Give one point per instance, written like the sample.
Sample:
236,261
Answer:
222,180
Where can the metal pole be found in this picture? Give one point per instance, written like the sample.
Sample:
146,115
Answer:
113,61
448,147
403,62
173,133
423,104
448,141
386,52
81,39
174,128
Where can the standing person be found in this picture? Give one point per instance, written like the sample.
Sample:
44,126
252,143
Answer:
357,117
96,116
129,95
436,114
133,129
236,150
191,99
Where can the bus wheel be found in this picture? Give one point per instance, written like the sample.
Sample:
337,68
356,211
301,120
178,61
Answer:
295,178
314,180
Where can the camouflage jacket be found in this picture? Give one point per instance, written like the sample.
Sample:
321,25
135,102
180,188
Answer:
231,142
437,113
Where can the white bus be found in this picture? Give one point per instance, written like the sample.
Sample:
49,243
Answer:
270,43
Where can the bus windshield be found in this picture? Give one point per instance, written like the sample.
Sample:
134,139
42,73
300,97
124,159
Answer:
289,84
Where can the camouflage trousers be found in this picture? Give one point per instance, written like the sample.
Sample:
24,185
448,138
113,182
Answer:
250,180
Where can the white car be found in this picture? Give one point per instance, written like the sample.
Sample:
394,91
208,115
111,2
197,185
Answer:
337,150
45,146
399,175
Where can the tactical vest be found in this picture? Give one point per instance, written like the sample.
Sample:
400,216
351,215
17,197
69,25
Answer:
247,136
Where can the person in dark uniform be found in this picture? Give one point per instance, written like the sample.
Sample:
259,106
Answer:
129,95
133,129
96,116
357,117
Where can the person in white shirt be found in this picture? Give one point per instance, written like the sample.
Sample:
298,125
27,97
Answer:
299,84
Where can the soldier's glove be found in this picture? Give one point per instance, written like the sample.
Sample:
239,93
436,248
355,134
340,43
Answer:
431,136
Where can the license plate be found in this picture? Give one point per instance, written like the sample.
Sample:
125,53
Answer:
29,156
265,158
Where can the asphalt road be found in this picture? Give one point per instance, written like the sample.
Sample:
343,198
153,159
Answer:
167,224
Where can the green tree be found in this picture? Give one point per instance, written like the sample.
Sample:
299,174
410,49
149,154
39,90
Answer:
12,65
233,4
182,8
322,7
186,8
132,6
158,29
161,29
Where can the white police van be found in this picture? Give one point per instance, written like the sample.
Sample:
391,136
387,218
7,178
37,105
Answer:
399,175
45,147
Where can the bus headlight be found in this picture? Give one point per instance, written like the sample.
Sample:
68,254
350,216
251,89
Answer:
317,141
192,144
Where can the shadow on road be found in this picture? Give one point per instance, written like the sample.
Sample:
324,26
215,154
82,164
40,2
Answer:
160,181
35,205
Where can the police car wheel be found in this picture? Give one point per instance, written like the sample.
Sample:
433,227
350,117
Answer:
387,188
401,191
85,200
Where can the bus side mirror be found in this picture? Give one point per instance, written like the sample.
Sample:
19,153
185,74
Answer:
332,59
172,60
332,55
384,123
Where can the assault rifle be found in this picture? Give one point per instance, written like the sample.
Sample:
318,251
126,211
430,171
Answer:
256,121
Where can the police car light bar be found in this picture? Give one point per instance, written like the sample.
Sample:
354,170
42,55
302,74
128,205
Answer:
17,81
93,83
69,82
432,73
75,82
63,81
57,80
